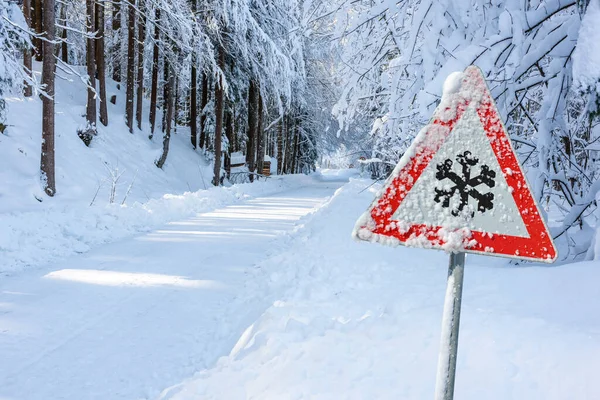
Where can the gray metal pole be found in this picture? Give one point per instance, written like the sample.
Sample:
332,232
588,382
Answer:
444,388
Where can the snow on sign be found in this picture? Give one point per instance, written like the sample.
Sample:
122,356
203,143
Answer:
460,187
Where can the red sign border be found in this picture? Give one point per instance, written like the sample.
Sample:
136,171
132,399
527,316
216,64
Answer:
538,246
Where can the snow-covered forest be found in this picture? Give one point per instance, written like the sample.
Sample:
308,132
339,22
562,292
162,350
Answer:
241,119
295,80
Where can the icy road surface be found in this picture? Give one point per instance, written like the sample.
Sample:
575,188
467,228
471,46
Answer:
129,319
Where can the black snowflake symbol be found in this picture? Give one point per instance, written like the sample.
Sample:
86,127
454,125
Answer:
465,185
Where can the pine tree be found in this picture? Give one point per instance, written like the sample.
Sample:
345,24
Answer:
203,103
130,64
100,59
90,112
47,157
219,98
140,62
154,82
27,63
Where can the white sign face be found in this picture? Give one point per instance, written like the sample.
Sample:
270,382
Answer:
460,187
475,188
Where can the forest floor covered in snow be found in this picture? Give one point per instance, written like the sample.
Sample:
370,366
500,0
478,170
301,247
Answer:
270,298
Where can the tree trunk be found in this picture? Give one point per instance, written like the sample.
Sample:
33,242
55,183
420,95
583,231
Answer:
154,90
38,7
140,63
260,138
280,147
194,92
229,132
169,86
289,137
295,155
219,95
193,104
116,27
203,104
252,127
176,105
130,64
27,89
47,157
166,94
90,110
64,49
100,60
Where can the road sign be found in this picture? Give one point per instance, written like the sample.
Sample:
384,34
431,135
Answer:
460,186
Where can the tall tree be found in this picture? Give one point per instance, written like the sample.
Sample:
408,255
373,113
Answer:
154,82
252,127
100,59
116,27
260,137
169,89
130,64
64,46
27,63
140,61
47,157
219,98
194,91
38,19
90,110
203,103
280,147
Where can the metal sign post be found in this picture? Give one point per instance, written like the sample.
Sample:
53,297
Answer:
446,372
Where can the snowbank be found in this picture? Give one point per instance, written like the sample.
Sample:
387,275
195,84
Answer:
29,239
358,321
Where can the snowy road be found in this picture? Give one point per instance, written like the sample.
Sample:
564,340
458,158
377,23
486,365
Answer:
129,319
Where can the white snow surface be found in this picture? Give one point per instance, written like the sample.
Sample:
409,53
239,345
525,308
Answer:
586,58
128,319
350,320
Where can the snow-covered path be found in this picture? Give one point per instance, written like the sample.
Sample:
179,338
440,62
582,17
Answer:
129,319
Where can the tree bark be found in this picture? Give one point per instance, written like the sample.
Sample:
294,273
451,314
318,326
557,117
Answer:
116,27
176,105
165,100
194,92
295,154
47,156
203,103
154,90
64,48
169,86
260,138
252,128
219,95
130,64
140,62
100,60
289,137
90,110
38,7
229,133
280,147
27,89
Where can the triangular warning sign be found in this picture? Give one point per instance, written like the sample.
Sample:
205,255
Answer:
460,187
